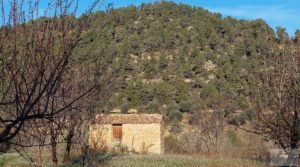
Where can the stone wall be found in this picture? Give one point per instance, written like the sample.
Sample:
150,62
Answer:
136,137
100,136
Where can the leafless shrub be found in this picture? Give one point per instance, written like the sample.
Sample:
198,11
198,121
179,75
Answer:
42,91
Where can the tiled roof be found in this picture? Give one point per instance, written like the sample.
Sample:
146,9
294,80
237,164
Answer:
128,119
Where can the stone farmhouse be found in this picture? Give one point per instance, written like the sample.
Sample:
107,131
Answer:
142,133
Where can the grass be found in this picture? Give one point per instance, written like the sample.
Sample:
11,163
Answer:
177,161
12,160
133,160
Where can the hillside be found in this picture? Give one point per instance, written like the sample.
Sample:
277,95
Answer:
206,90
166,55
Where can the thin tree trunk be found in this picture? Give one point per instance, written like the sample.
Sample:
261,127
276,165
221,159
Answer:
84,144
293,152
39,158
292,159
53,148
69,145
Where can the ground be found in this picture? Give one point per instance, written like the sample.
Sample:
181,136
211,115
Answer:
178,161
14,160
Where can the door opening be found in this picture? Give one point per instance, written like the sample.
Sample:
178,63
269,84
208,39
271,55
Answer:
117,132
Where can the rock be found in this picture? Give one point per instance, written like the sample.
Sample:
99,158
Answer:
132,111
116,110
188,80
211,77
209,65
190,28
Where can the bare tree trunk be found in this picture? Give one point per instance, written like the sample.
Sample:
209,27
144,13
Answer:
39,159
84,152
53,148
291,160
69,145
84,144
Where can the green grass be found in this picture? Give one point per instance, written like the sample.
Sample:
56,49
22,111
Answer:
177,161
16,160
109,160
12,160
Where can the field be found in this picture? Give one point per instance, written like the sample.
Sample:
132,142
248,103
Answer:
14,160
178,161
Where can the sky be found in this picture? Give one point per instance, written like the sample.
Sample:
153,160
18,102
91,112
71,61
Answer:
277,13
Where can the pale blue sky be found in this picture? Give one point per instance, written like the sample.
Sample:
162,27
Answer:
283,13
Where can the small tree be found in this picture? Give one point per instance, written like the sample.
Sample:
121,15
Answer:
209,124
36,56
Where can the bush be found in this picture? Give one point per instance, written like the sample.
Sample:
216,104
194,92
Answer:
145,148
120,148
209,91
187,143
241,118
170,108
172,145
185,107
193,119
124,109
176,128
233,137
153,107
173,115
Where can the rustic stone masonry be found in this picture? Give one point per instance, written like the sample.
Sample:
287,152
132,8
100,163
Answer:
141,133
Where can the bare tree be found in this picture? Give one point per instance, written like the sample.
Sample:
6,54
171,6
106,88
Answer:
35,58
276,102
209,124
278,98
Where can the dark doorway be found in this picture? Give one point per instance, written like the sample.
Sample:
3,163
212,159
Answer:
117,132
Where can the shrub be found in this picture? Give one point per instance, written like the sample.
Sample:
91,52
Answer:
187,143
176,128
172,145
185,107
233,137
120,148
241,118
153,107
145,148
209,91
170,108
163,92
193,119
174,116
124,109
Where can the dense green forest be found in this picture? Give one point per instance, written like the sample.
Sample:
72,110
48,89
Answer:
168,55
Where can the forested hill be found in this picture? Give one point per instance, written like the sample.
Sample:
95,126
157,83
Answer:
167,54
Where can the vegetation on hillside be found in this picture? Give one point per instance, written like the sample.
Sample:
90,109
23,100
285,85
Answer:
172,54
200,70
174,59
